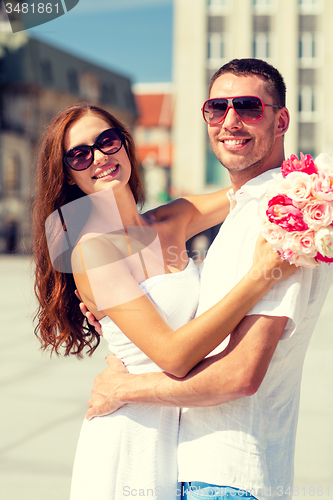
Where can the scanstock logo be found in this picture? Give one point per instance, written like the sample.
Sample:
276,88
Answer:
25,14
88,235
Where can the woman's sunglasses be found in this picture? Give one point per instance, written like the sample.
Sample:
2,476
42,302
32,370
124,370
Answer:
249,108
108,142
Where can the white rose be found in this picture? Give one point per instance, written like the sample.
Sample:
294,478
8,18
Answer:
324,241
324,162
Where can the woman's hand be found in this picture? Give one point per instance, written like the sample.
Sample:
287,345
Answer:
90,317
106,387
268,264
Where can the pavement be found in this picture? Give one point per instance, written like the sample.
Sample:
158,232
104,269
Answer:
43,401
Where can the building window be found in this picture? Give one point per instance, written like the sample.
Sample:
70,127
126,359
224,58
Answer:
261,46
310,6
306,99
129,97
307,138
217,50
216,24
218,7
262,7
308,3
12,174
309,50
215,46
108,93
73,82
89,86
307,76
46,69
308,105
214,169
262,3
218,3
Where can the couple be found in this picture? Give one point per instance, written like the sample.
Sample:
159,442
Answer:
245,444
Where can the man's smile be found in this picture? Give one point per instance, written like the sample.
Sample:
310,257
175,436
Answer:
234,143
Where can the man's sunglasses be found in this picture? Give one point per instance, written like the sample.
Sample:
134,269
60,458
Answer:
108,142
249,108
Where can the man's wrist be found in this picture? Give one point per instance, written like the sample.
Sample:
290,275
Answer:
144,388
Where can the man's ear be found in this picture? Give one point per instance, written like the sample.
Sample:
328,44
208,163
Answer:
283,122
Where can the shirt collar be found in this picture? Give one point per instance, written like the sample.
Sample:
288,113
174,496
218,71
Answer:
256,187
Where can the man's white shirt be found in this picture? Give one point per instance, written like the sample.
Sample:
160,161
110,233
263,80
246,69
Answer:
249,443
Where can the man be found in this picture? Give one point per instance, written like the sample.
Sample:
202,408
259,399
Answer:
237,435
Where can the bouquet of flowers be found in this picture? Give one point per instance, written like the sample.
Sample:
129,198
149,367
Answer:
297,212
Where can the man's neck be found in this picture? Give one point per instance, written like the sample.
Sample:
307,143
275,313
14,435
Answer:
273,160
237,182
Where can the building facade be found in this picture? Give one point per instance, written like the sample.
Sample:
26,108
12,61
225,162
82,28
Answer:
295,36
153,139
36,82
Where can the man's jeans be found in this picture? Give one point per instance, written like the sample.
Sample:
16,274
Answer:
201,491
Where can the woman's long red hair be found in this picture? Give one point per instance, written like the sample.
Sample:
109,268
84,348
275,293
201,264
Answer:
60,321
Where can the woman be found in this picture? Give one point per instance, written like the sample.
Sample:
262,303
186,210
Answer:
132,272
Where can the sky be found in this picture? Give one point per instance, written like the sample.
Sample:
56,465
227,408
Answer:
133,37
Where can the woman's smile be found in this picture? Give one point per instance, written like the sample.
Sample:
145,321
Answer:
107,172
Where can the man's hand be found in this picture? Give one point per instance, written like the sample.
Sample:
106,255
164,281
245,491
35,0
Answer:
269,263
90,317
105,386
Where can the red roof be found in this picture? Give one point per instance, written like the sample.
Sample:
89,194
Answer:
160,154
154,110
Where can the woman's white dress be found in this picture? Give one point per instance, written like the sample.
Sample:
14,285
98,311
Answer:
133,452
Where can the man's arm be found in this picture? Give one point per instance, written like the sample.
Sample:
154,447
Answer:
236,372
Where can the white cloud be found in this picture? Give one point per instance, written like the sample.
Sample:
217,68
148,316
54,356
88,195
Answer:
91,6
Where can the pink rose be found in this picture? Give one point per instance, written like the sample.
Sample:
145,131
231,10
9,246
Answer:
297,211
273,234
302,243
321,258
298,186
317,214
288,254
323,186
282,212
307,243
293,164
297,259
305,261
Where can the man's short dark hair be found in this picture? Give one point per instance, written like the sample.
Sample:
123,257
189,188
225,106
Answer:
246,67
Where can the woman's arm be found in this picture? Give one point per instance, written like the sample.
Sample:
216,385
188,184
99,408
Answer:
177,352
194,213
207,210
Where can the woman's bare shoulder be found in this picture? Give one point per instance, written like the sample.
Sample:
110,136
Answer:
96,250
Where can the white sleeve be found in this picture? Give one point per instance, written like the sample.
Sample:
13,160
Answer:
297,296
